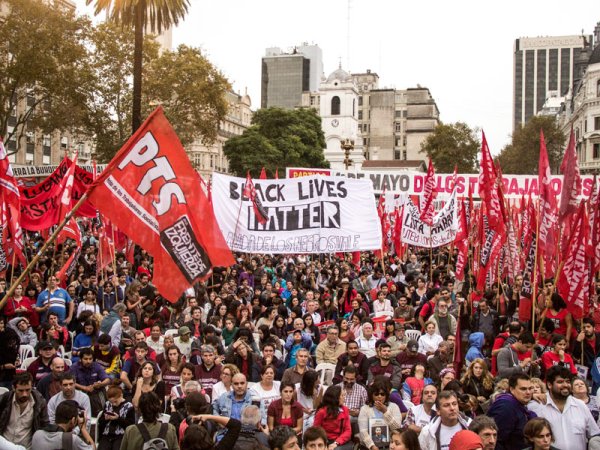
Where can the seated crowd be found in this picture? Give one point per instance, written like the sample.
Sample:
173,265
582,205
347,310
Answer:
281,352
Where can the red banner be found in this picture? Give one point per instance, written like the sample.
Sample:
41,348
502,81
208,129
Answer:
151,192
426,205
40,203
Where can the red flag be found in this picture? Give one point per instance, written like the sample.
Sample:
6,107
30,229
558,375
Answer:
457,360
70,231
426,206
67,187
462,243
106,250
573,281
277,174
571,181
250,192
12,199
151,192
594,208
397,233
548,213
356,259
488,191
263,174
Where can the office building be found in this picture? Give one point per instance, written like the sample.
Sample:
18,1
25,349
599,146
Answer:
286,75
541,65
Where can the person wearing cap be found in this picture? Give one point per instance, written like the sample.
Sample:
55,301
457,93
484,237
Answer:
466,440
184,341
398,341
41,366
24,330
408,358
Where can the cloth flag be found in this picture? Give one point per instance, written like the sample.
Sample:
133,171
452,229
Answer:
150,191
426,206
488,179
250,193
263,174
571,182
548,212
573,281
67,187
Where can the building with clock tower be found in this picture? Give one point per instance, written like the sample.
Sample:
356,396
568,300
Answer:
338,108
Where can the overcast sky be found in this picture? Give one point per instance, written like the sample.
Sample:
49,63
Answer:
461,50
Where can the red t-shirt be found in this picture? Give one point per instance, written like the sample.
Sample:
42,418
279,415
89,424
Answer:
550,359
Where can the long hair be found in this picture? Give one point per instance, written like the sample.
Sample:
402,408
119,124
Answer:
167,362
331,400
307,385
486,378
155,372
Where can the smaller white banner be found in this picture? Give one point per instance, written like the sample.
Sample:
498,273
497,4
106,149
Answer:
312,214
418,233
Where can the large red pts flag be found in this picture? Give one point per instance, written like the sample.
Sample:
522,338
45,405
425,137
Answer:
426,206
571,181
548,213
573,281
488,179
151,192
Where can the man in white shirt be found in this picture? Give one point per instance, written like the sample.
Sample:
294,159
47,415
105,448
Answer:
418,416
312,306
382,304
366,343
438,434
68,392
572,421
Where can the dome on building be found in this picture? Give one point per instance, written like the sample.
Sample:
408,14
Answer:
595,58
340,75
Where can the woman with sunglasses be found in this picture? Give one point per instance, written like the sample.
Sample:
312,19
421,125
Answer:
378,406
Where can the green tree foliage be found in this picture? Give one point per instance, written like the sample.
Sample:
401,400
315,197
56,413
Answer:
155,15
278,138
521,156
44,78
190,89
452,144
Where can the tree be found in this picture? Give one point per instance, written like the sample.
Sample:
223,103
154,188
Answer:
140,15
44,79
278,138
191,90
522,155
450,145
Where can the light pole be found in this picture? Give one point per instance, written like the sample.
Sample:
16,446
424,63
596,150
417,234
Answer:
347,145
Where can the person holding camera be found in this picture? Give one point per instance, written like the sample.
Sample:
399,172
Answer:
68,416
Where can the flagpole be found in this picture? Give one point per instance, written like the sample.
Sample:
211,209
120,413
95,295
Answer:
41,251
535,269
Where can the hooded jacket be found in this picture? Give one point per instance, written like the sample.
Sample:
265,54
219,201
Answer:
476,341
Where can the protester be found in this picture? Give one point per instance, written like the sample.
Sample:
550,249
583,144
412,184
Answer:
66,419
378,405
440,431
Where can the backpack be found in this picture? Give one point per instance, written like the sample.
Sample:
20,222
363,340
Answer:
157,443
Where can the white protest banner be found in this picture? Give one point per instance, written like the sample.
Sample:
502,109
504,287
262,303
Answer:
412,183
313,214
418,233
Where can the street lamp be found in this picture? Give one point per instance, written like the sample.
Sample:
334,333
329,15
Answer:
347,146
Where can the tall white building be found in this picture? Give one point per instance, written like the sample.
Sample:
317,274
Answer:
339,115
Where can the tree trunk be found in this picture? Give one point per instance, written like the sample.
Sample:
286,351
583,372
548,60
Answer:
136,114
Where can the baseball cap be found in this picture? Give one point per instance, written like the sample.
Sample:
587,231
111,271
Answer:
184,330
398,326
43,345
412,345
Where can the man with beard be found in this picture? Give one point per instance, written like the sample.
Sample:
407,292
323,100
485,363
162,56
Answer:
572,421
591,343
408,358
357,359
22,411
384,365
510,412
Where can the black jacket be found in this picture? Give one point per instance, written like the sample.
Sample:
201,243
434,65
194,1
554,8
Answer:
40,411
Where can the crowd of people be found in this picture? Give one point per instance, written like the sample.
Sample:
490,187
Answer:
282,351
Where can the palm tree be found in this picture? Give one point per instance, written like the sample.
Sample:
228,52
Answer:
141,14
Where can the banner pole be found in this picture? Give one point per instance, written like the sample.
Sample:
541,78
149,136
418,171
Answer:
535,270
41,251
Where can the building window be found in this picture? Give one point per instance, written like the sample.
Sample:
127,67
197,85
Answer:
360,100
335,106
597,123
597,151
598,88
398,126
398,114
360,115
396,154
353,107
